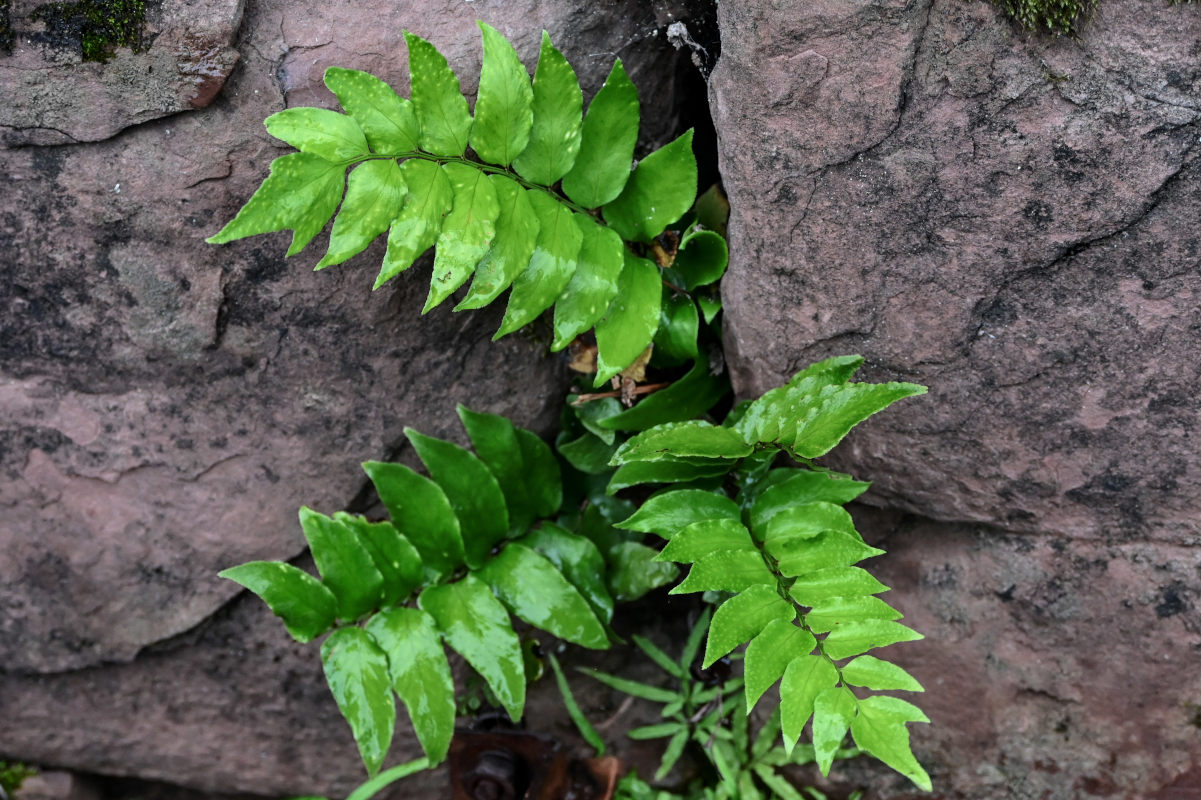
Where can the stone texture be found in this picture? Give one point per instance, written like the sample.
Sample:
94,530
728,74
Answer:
54,97
1012,220
166,405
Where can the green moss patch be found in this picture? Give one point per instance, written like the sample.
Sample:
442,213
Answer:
6,27
97,27
13,773
1060,17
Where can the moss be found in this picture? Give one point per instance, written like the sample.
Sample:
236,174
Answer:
98,26
13,774
6,27
1060,17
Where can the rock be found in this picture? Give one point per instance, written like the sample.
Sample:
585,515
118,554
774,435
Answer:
54,785
1010,219
57,97
167,405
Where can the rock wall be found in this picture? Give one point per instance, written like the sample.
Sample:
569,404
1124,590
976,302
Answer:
167,405
1015,221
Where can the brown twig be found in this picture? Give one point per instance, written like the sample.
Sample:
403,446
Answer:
645,388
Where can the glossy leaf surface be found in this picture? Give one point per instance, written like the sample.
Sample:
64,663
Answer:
416,227
439,103
558,108
503,112
387,119
607,140
631,319
420,510
695,438
742,617
393,555
357,672
702,258
697,540
661,188
467,231
578,559
854,638
345,565
512,245
668,512
815,587
770,653
593,285
556,250
306,606
726,571
374,197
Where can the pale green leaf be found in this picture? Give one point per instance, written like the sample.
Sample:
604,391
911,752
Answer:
660,190
815,587
841,408
763,417
674,440
472,490
699,539
370,788
578,559
393,555
301,193
833,710
631,319
512,246
854,638
593,285
306,606
558,111
503,107
475,624
770,653
607,141
556,252
836,611
437,99
374,197
538,593
357,672
726,571
416,227
421,512
386,118
799,555
332,136
467,231
420,674
873,673
879,732
658,731
667,513
804,679
345,565
665,662
742,617
799,488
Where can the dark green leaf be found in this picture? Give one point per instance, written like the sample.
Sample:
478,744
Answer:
679,322
726,571
467,232
841,610
675,749
513,245
578,559
369,789
629,323
660,190
558,111
815,587
593,285
495,441
702,258
592,416
699,539
327,134
420,674
421,512
416,227
800,488
386,118
742,617
780,787
674,440
305,605
301,193
374,197
545,482
607,141
503,107
854,638
658,731
640,472
687,398
833,710
393,555
873,673
667,513
472,491
587,453
632,688
357,672
439,103
692,645
556,251
633,572
805,678
770,653
661,658
538,593
573,709
345,565
476,625
880,732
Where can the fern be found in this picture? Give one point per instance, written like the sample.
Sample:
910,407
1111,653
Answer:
785,552
456,559
529,194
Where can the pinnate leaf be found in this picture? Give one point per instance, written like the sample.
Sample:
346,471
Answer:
301,193
306,606
660,190
701,259
387,119
726,571
855,638
699,539
833,710
545,482
770,653
374,197
687,398
503,109
416,227
633,571
512,246
840,610
639,472
743,617
467,231
320,132
437,99
495,441
558,114
476,625
630,321
813,588
538,593
472,490
593,285
804,679
667,513
799,488
357,672
873,673
674,440
578,559
632,688
393,555
421,512
556,251
420,674
345,565
607,141
880,731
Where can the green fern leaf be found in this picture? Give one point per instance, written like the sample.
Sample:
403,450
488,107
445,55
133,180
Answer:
699,539
687,398
558,115
679,324
556,252
305,604
660,190
345,565
841,610
593,285
702,258
880,730
676,440
640,472
386,119
374,197
629,323
833,710
813,588
416,227
517,230
503,109
326,134
437,100
743,617
804,679
726,571
467,231
667,513
357,672
421,512
873,673
770,653
799,488
393,555
855,638
578,559
607,140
